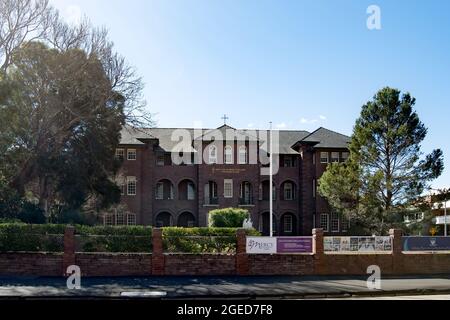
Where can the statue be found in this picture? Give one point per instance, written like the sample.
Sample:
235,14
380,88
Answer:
247,224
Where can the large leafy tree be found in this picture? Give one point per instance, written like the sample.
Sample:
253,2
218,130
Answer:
62,120
386,169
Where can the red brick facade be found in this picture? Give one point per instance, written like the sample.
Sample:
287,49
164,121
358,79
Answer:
294,216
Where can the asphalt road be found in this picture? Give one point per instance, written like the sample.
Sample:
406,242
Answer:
222,287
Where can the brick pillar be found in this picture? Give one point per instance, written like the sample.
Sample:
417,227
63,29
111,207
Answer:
242,263
318,251
69,248
157,254
397,248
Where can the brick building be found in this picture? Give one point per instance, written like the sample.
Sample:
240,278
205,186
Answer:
224,167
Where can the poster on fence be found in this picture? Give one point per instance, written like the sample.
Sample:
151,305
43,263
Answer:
261,245
357,244
426,243
294,244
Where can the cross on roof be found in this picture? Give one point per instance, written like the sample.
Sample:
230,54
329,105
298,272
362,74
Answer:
225,118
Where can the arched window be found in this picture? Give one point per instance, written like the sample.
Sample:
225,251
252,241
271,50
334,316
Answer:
212,154
242,155
228,155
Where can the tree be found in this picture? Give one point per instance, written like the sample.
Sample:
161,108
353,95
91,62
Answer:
68,120
228,217
20,21
386,169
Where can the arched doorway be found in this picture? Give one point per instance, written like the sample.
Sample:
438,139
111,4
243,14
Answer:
186,220
163,219
264,224
288,224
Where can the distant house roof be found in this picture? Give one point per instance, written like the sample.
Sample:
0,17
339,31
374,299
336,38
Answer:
171,139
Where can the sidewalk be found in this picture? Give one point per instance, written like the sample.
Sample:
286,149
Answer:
216,287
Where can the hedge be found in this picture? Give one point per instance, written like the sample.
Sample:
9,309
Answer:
50,238
201,240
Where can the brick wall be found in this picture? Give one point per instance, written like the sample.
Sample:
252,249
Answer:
114,264
31,264
160,263
199,264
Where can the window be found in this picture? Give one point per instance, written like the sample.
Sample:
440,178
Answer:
159,191
242,155
160,159
190,191
314,188
131,219
345,224
212,154
120,154
344,156
334,222
131,186
335,157
288,191
228,155
314,158
324,221
324,157
228,188
131,154
120,219
287,223
109,219
287,162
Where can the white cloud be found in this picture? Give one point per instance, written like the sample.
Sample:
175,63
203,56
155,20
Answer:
250,125
281,125
322,117
307,121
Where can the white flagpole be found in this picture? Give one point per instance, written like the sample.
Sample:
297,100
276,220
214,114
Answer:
271,185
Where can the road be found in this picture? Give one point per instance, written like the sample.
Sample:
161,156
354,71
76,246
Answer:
223,287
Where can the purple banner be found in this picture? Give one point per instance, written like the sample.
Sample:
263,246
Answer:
294,244
426,243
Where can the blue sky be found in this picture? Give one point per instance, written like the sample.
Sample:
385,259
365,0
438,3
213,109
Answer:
300,64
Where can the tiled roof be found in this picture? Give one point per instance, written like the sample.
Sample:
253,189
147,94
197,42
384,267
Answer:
169,138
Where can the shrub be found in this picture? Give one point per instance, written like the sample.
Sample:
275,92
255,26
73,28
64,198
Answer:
201,240
228,217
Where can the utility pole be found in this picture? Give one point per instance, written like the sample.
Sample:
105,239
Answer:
271,183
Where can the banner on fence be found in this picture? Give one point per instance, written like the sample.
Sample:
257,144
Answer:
270,245
294,244
358,244
261,245
426,243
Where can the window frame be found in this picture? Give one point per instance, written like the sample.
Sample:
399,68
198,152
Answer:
228,182
291,223
335,219
212,159
130,152
336,158
327,216
243,155
120,155
228,155
322,158
131,179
